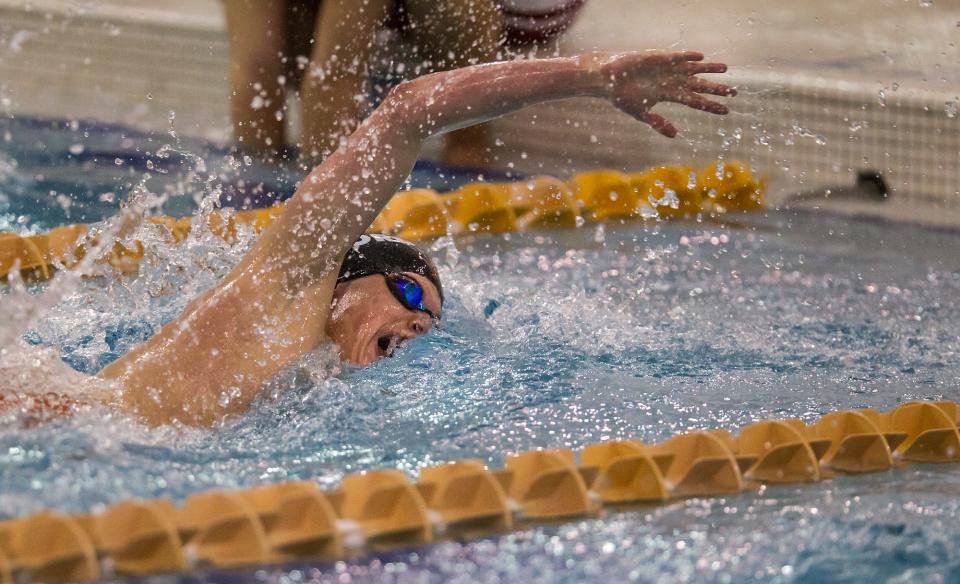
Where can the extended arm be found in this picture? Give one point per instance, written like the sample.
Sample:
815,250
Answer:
214,358
351,187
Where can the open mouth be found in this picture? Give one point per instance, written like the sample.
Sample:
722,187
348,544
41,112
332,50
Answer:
387,344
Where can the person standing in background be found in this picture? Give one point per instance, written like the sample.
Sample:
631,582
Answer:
325,50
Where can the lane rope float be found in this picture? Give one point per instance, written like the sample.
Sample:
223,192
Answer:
540,202
382,509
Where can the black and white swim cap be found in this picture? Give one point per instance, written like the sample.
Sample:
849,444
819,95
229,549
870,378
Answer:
384,254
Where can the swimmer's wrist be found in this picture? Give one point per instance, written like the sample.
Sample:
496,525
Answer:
592,67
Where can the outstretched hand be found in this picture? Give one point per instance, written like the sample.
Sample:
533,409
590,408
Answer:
635,82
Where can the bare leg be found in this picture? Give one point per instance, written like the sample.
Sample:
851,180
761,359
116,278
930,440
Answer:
332,93
255,34
457,33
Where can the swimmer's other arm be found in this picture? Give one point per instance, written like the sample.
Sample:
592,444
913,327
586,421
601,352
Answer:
272,308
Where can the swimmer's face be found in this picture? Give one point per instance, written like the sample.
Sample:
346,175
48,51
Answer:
367,322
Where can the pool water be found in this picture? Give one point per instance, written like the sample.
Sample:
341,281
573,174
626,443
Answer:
55,172
551,339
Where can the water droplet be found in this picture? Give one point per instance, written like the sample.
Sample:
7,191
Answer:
600,235
951,107
232,393
648,212
64,202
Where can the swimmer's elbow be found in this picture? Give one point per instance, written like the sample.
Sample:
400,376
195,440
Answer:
405,109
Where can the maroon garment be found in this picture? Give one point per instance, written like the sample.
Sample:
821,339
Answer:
525,22
529,22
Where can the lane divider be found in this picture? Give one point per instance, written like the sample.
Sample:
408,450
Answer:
540,202
382,509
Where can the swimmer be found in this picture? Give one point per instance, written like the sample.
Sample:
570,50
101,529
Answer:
313,276
323,50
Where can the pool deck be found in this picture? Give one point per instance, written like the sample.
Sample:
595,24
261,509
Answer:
135,62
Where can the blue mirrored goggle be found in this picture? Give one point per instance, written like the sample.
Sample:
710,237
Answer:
408,292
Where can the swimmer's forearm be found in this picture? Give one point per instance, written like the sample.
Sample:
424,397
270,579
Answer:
341,197
450,100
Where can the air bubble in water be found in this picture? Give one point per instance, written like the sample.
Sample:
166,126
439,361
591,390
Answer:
882,98
951,107
76,149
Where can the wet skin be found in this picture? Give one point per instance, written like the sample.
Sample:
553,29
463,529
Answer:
278,302
367,323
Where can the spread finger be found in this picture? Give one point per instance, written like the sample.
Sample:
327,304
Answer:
658,123
699,102
704,86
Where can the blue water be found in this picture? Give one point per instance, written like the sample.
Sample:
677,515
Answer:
559,339
55,172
